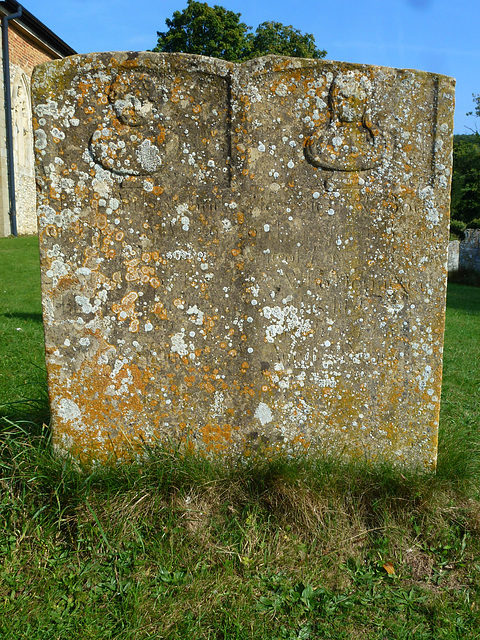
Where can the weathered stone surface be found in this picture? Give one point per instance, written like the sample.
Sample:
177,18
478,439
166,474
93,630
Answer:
469,251
453,255
247,258
465,254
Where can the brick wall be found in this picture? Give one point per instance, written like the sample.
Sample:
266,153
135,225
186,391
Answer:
24,52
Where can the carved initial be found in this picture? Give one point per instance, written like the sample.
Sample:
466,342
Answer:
349,142
127,143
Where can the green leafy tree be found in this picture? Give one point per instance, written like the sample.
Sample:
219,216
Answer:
457,230
208,31
465,204
476,100
218,32
276,38
466,178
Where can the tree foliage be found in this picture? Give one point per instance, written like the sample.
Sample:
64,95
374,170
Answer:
204,30
276,38
465,204
466,178
476,100
218,32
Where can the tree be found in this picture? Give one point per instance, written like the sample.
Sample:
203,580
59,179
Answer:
274,37
465,204
208,31
476,99
466,178
218,32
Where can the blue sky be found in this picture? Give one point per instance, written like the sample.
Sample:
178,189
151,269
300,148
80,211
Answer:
441,36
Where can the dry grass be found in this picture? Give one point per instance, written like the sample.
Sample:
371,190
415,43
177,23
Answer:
182,547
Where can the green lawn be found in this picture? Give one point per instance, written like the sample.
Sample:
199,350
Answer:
183,548
22,356
460,410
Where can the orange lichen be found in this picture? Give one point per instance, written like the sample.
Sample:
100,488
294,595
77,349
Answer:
319,260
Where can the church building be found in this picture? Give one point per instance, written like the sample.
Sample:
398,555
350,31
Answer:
26,42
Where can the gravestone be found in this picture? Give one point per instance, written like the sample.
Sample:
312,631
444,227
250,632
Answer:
469,251
243,259
453,256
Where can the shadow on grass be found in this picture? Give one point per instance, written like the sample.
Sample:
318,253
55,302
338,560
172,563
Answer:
168,467
468,277
33,317
30,410
463,297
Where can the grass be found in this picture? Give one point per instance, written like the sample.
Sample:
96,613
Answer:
465,276
181,547
22,354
